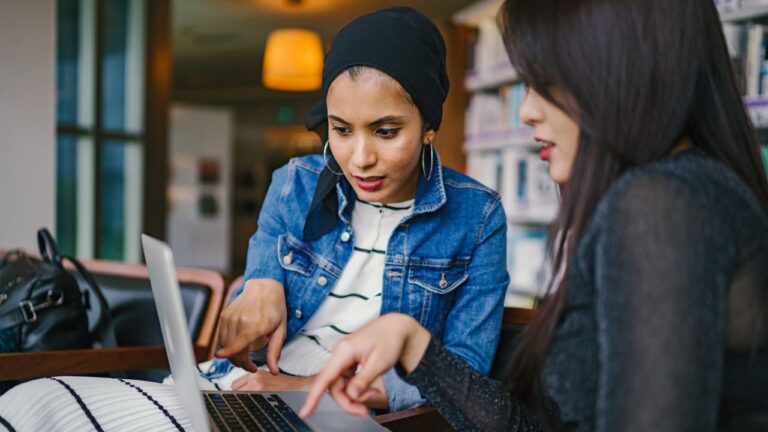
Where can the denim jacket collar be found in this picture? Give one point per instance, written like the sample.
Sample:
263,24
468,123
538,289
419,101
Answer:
430,194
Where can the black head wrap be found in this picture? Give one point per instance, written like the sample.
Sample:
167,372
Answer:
405,45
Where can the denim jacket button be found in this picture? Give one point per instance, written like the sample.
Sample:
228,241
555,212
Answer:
298,314
287,259
443,283
322,281
345,236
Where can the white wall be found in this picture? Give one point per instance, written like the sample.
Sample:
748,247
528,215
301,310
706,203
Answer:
27,120
198,133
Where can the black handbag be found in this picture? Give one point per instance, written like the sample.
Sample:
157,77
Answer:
42,306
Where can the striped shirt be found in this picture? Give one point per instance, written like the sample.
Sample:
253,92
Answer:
355,300
92,404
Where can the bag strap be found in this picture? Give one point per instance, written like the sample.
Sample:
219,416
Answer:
48,248
50,253
25,312
104,324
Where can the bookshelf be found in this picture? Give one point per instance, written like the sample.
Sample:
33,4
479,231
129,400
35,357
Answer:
501,151
745,25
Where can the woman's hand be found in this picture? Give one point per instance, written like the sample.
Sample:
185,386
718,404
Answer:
360,358
261,381
257,317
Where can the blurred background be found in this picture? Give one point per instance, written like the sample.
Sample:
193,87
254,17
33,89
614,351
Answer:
157,116
119,117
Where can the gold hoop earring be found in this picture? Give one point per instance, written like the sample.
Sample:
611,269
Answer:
325,158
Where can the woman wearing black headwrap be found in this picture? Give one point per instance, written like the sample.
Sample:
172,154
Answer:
374,225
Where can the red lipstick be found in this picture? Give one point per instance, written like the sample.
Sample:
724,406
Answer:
369,184
545,153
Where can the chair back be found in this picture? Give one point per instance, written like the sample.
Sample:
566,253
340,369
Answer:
134,316
513,323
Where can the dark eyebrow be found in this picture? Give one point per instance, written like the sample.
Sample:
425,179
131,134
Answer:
338,119
387,119
378,122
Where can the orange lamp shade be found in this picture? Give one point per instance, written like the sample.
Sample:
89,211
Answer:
293,60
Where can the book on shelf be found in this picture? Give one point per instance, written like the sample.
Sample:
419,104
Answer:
542,191
746,4
755,60
490,53
765,157
727,6
471,44
485,167
484,114
748,48
526,251
487,59
732,6
527,192
510,183
758,111
496,111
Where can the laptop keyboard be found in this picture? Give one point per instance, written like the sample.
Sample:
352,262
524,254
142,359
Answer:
252,412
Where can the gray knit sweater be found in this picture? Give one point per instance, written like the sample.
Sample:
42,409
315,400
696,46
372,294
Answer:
664,324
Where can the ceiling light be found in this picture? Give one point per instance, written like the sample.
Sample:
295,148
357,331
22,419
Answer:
293,60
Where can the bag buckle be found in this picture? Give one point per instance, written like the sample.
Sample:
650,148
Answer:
54,298
28,313
29,310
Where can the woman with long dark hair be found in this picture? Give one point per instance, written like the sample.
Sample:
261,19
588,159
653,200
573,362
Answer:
657,309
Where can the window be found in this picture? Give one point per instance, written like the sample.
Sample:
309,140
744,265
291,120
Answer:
100,128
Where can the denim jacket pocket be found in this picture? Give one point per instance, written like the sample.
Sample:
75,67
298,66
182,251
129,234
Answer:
294,256
438,276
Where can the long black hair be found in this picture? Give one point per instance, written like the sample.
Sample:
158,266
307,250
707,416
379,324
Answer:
639,76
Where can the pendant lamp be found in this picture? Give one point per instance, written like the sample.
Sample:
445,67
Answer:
293,60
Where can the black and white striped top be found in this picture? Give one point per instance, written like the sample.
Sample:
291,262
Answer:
92,404
355,300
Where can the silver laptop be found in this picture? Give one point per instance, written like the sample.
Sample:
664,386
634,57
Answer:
220,410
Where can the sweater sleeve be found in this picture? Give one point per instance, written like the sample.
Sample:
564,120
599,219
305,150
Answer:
663,264
468,400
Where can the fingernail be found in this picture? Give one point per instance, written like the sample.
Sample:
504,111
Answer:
353,392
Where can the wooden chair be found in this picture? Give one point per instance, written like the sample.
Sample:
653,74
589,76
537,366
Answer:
126,286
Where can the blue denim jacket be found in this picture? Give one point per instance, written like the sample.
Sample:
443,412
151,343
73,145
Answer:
445,264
